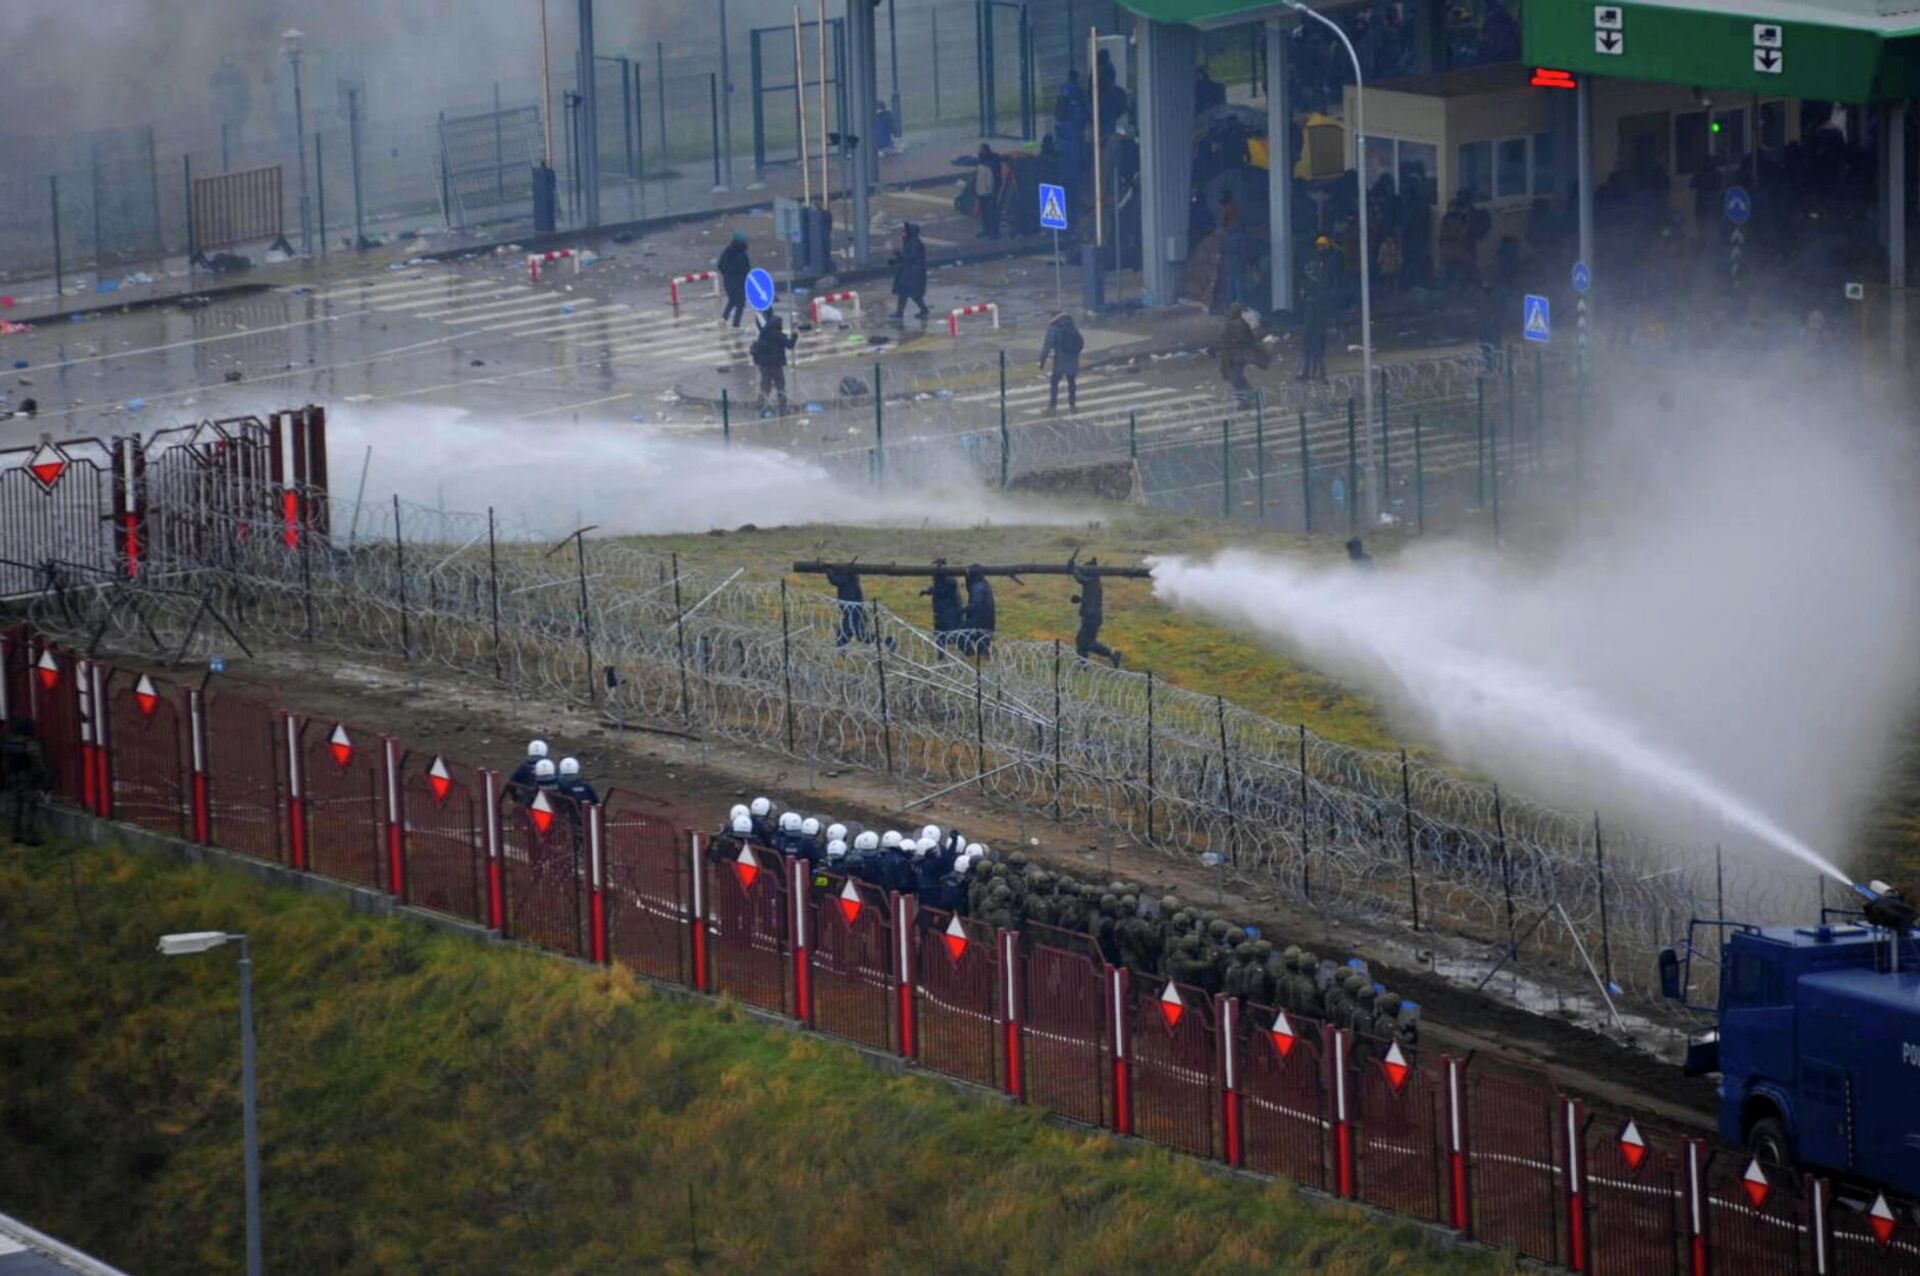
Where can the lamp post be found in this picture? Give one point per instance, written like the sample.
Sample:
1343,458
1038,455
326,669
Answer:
1366,245
186,945
291,42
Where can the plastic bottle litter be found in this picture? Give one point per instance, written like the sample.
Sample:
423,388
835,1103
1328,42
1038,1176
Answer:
134,405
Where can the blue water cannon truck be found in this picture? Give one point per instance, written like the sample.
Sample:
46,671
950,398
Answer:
1817,1039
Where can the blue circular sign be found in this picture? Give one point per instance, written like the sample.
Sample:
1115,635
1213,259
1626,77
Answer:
1582,278
1738,205
759,289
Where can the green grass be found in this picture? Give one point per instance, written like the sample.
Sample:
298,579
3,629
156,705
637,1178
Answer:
432,1105
1180,647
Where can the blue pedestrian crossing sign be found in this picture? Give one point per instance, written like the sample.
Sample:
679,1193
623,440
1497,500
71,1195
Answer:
1536,319
759,289
1053,207
1737,204
1582,278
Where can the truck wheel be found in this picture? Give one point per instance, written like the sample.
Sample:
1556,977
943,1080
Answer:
1767,1143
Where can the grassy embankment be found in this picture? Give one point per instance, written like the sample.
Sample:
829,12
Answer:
431,1105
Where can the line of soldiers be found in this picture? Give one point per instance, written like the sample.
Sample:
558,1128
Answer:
1160,937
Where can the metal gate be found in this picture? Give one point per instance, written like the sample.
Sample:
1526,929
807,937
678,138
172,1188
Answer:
543,848
1175,1062
776,122
747,892
1284,1080
56,515
342,806
1065,1042
444,846
1512,1164
957,1012
1003,39
646,889
851,960
1398,1148
486,165
1634,1207
147,732
246,764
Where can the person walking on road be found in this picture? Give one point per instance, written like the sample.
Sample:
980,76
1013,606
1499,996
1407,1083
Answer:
1238,348
734,266
1063,345
910,272
769,353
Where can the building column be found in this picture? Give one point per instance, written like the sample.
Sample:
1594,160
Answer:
1164,101
1894,130
1583,160
589,122
862,82
1279,166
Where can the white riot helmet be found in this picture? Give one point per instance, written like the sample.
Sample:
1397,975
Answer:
762,807
739,812
536,749
810,826
836,832
962,864
931,833
919,851
891,841
867,841
836,849
976,851
928,845
790,821
569,766
543,769
743,826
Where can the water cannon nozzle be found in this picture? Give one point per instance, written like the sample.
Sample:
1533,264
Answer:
1886,909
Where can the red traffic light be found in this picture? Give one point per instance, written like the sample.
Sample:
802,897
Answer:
1545,77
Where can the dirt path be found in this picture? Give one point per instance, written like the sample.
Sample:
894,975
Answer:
695,782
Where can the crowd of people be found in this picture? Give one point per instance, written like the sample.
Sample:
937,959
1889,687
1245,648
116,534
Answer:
1120,921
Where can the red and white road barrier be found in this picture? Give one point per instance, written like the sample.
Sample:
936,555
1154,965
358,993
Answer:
535,260
984,308
698,276
828,298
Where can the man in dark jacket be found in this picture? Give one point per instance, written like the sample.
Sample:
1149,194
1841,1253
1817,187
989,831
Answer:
1087,642
981,615
948,615
1063,344
1317,283
852,599
734,268
770,356
910,272
1238,348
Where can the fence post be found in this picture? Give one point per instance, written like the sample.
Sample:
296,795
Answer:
660,101
1539,402
786,661
1012,1011
493,592
1306,823
713,114
1006,440
1406,816
880,671
1056,728
94,709
1460,1217
1819,1222
1260,459
1133,436
1480,441
1386,446
296,793
197,739
396,819
496,877
1226,469
698,922
1149,755
1335,1046
53,196
1600,872
1226,778
153,193
1513,428
799,896
1118,984
400,570
1419,479
979,722
1353,474
186,198
904,908
596,884
353,167
680,639
879,427
1572,1125
1306,477
320,192
1226,1013
1493,473
586,612
726,419
1506,870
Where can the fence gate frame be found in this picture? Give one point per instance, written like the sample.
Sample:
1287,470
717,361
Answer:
837,49
985,14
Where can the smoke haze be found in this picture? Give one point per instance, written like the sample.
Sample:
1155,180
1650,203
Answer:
1730,646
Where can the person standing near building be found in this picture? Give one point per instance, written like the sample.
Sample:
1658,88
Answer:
734,267
910,272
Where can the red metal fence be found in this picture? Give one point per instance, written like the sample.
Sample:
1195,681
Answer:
1493,1150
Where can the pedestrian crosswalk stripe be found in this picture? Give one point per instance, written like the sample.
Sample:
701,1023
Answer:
411,302
492,312
369,291
580,315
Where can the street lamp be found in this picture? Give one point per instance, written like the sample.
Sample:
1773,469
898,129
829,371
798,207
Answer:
200,941
1366,245
290,44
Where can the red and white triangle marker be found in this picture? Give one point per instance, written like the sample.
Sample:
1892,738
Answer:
440,779
46,465
340,745
540,811
1880,1219
746,866
145,698
1284,1037
1171,1006
48,668
1633,1148
955,938
1396,1066
850,904
1754,1182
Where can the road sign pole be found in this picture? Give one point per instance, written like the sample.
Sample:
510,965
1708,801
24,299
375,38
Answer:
1059,302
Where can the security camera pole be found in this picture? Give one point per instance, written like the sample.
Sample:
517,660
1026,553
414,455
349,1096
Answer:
185,945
